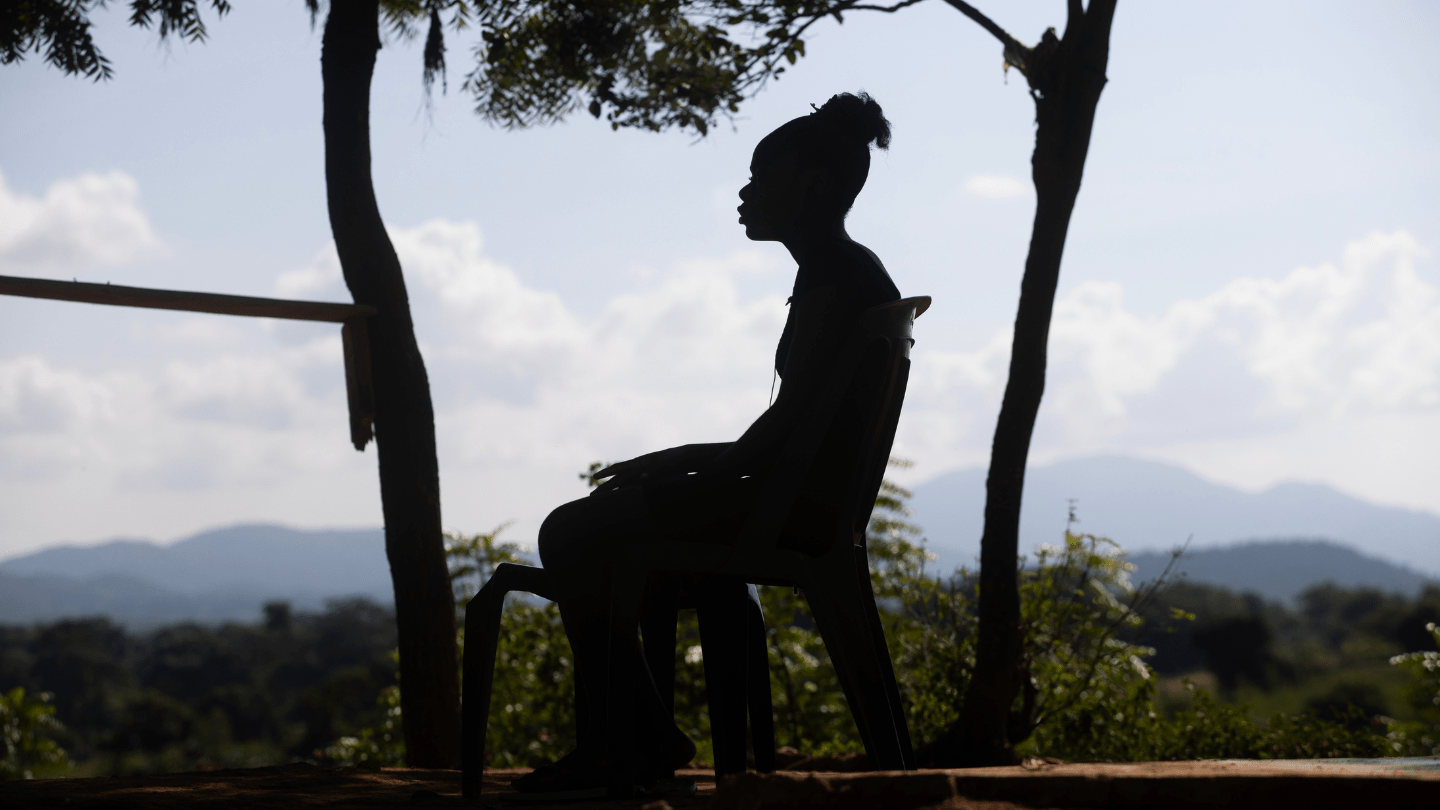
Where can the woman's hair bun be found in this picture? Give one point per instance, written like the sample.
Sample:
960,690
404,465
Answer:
857,116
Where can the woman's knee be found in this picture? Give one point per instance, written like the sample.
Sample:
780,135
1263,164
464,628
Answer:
584,528
555,536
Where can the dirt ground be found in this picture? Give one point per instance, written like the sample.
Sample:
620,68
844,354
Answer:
1233,785
293,786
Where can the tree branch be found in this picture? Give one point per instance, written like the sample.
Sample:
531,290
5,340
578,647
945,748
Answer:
886,9
989,25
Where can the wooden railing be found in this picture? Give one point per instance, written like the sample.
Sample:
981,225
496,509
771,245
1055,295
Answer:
358,386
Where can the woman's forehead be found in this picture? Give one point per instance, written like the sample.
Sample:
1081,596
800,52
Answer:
770,151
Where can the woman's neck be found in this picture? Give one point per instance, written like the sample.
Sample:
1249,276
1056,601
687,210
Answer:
805,242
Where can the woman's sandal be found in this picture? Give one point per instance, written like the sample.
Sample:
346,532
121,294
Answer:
570,779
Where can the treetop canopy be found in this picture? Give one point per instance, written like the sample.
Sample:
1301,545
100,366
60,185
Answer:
649,64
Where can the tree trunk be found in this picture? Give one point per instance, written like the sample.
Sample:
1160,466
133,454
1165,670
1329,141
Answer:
404,416
1066,77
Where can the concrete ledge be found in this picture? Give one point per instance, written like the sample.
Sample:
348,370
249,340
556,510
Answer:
1314,785
1229,785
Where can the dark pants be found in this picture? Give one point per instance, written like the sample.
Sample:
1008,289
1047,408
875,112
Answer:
577,545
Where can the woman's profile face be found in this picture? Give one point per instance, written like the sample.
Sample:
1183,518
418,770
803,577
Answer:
772,202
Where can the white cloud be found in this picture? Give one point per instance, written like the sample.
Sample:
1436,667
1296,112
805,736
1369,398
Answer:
305,282
685,360
1360,337
527,392
996,187
1330,348
222,413
81,224
258,429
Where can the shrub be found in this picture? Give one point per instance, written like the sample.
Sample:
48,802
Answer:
1419,737
27,728
374,747
1086,692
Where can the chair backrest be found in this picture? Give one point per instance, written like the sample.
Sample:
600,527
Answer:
822,488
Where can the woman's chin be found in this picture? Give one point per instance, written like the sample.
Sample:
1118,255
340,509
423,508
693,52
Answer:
755,234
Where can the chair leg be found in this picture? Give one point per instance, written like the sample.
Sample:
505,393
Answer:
482,636
815,598
757,687
882,656
840,611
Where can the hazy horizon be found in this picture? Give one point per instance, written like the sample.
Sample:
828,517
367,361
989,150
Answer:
920,486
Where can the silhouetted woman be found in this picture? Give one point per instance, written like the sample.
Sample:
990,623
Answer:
804,177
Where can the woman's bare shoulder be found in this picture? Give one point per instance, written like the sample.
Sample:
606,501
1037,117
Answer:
868,273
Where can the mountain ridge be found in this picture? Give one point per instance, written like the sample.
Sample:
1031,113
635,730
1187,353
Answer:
249,556
1152,506
1148,507
1280,570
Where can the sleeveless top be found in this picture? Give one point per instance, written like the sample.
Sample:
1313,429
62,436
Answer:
714,509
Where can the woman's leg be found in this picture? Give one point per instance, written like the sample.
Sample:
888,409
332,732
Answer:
577,544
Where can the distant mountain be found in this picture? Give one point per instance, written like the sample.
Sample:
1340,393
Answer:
223,574
137,603
1149,505
1146,506
275,559
1279,570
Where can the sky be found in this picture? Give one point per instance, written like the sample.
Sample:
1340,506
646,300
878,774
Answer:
1249,288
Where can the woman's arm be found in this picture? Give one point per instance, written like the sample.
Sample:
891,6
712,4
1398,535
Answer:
823,320
683,459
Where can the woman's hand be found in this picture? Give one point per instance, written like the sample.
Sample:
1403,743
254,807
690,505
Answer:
684,459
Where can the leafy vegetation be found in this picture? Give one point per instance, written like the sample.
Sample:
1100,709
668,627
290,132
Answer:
188,695
1421,735
1114,672
1090,694
27,732
636,63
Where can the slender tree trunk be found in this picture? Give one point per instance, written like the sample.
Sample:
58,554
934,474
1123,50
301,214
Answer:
404,416
1066,77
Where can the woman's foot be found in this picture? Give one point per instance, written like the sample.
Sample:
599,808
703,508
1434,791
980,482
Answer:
572,772
682,750
576,771
657,760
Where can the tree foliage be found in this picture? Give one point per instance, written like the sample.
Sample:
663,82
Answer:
60,29
638,63
1089,694
649,64
28,731
184,695
1421,736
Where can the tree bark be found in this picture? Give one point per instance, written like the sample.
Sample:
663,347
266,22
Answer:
1066,77
404,416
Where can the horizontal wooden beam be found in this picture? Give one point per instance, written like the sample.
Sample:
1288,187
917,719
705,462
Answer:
116,295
